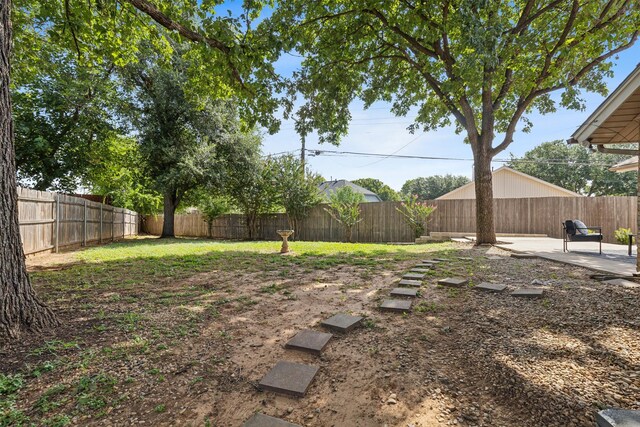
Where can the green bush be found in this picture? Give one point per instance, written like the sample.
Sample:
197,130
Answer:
344,207
416,214
622,235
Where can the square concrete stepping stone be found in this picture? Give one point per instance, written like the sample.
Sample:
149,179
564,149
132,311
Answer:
465,258
262,420
441,259
496,258
453,282
613,417
309,341
528,292
430,261
413,283
524,256
404,292
289,378
414,276
419,270
342,322
622,282
396,305
490,287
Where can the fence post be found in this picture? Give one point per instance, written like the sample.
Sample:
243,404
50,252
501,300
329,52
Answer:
57,227
84,227
113,220
100,240
123,229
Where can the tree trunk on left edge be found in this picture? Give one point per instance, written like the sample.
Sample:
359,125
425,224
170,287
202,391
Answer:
485,227
20,308
170,205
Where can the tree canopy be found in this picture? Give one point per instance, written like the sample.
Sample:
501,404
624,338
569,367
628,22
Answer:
64,115
386,193
577,169
432,187
185,143
481,65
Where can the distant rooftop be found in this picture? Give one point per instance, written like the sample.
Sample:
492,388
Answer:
329,187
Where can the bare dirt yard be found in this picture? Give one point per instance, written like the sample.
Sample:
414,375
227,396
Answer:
180,332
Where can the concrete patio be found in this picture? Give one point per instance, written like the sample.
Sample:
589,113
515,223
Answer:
614,259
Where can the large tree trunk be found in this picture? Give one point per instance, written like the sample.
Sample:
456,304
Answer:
170,205
485,232
20,308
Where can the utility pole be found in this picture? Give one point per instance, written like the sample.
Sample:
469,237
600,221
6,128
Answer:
302,151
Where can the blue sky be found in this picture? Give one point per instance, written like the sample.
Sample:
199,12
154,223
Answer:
378,131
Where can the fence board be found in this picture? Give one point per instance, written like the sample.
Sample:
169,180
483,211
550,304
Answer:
383,223
38,221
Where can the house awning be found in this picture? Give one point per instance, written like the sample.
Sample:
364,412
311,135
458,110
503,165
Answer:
616,120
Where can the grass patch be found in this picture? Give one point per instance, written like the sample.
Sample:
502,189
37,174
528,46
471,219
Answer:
427,307
142,298
271,289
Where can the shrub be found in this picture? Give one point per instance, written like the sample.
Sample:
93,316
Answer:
622,235
344,207
416,214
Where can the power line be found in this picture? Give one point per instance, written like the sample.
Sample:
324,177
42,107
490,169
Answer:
336,153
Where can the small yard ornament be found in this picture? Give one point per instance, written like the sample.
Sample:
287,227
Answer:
285,244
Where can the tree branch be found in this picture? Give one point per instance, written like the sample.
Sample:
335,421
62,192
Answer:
504,89
327,17
154,13
588,67
407,37
67,14
526,20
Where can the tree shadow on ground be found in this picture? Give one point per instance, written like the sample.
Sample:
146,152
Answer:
203,328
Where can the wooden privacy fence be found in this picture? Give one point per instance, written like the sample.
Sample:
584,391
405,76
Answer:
49,221
540,215
383,223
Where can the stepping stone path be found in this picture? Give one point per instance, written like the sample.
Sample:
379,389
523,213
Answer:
622,282
289,378
261,420
453,282
490,287
407,282
528,292
419,270
309,341
414,276
342,322
524,256
404,292
613,417
396,305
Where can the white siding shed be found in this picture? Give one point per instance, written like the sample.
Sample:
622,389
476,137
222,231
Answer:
511,184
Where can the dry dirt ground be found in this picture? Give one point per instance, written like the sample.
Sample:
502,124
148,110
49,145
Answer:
190,348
